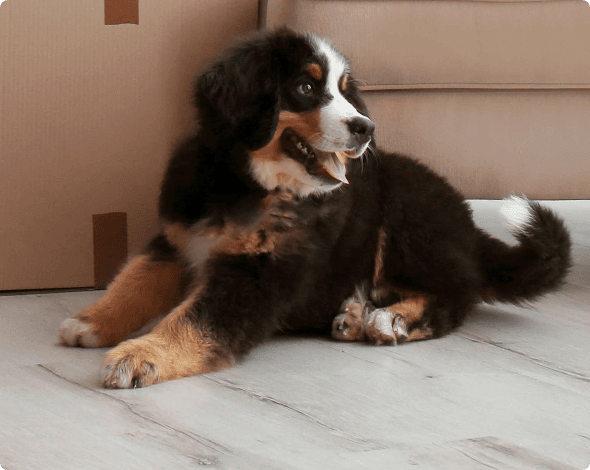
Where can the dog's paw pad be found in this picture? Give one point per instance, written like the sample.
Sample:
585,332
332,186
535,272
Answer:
76,332
129,373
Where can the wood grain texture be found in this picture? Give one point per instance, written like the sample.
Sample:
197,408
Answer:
509,390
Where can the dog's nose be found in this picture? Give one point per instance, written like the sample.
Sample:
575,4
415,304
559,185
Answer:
361,128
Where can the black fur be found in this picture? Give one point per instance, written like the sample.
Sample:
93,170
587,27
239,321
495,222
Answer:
432,244
536,266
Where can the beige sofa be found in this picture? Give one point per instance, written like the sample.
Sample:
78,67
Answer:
494,95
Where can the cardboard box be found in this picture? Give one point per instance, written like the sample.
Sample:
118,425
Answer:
88,115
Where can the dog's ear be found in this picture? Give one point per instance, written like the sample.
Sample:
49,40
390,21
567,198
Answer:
238,97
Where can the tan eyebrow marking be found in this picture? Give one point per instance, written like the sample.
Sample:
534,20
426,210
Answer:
315,71
344,82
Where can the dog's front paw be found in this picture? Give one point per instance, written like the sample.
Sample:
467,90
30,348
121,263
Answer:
76,331
385,327
133,364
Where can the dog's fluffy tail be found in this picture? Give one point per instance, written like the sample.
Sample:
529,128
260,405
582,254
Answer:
538,264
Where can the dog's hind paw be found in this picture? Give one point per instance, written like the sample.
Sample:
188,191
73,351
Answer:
385,327
347,328
76,332
349,325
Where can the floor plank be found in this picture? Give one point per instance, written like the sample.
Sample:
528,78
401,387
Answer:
508,390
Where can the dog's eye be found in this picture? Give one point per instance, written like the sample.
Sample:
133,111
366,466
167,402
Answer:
305,89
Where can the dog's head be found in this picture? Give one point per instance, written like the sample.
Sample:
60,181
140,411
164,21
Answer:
290,101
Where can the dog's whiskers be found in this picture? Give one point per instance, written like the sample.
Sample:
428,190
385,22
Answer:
358,80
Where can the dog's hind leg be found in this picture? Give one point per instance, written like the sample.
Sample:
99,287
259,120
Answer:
400,322
149,285
403,320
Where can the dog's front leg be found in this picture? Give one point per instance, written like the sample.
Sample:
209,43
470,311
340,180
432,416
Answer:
178,347
237,306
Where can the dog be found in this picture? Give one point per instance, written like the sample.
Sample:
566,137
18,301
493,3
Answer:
280,213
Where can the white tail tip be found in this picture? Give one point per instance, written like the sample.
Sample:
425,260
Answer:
516,213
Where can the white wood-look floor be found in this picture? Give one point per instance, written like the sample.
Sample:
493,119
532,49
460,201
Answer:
509,390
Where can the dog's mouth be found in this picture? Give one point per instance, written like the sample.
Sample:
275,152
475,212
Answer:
329,167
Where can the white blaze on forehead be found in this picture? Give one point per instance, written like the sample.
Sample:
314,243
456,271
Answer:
333,116
336,62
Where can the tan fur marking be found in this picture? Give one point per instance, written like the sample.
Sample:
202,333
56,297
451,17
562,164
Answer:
412,306
180,235
260,236
315,71
419,334
305,124
177,234
379,262
253,244
277,231
344,83
144,289
175,349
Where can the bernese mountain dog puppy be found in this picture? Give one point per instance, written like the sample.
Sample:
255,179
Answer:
279,213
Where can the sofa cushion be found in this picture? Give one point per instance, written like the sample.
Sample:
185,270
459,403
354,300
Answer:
491,143
451,44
